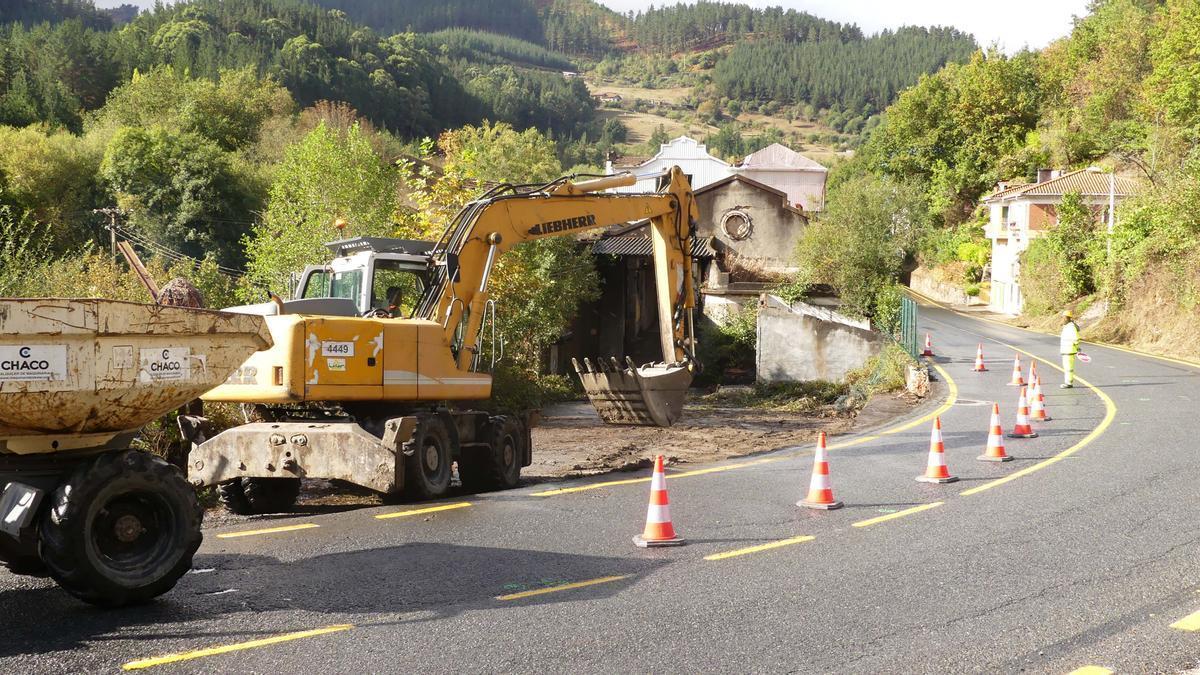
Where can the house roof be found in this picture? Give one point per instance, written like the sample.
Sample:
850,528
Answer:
779,157
1084,181
752,183
665,151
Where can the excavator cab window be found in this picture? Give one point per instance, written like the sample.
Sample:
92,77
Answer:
397,288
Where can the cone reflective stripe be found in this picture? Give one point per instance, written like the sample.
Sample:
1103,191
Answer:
928,346
995,446
1022,429
979,367
1039,413
936,470
1017,380
659,531
820,489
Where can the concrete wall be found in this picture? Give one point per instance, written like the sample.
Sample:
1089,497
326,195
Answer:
923,282
774,227
805,189
805,342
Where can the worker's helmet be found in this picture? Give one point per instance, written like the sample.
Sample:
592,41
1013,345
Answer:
1067,314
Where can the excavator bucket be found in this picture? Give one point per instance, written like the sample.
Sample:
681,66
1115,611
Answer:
649,395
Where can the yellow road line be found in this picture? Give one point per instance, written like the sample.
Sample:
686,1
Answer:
1110,413
950,400
761,547
225,649
1190,622
1109,345
417,512
1091,670
898,514
563,587
269,530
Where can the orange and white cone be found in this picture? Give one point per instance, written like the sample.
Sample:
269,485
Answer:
995,445
1022,429
928,346
1033,374
659,530
820,489
936,470
1017,380
979,367
1038,409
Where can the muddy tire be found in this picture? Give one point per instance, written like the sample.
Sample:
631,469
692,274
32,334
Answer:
254,496
500,467
121,530
427,469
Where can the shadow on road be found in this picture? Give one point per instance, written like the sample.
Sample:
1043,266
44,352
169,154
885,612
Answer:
411,582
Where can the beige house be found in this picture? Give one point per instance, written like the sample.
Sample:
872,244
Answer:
1021,212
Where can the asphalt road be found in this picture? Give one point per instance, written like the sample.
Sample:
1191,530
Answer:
1081,552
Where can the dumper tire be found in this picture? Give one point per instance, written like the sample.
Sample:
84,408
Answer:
427,460
500,468
121,530
254,496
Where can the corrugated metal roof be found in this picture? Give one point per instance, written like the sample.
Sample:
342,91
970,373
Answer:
778,156
1083,181
635,245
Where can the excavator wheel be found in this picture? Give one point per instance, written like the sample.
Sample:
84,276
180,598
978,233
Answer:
427,468
500,467
121,530
253,496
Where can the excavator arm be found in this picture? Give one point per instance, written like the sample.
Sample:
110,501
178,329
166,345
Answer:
487,228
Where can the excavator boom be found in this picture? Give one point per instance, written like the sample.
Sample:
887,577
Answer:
621,391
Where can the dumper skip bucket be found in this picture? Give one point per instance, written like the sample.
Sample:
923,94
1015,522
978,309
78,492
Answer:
649,395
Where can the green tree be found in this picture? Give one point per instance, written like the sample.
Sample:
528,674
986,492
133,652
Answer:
325,177
182,190
1173,87
537,285
871,226
229,111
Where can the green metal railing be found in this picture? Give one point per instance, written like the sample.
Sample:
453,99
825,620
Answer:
908,327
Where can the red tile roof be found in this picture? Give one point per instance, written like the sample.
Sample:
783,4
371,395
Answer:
1084,181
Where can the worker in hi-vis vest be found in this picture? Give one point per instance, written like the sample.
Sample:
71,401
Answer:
1068,345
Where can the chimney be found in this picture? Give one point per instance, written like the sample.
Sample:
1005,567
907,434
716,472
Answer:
1046,174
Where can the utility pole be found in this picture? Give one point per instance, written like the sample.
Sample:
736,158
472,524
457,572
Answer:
112,214
1112,207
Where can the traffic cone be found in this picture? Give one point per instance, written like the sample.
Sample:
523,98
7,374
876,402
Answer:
659,530
1022,429
1039,412
995,445
979,367
820,490
1033,375
936,470
1017,381
928,346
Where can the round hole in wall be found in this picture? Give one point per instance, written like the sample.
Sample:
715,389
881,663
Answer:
737,224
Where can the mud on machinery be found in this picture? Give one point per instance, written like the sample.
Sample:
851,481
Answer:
379,356
346,382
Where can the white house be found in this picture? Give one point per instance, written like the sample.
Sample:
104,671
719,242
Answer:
789,171
1021,212
690,155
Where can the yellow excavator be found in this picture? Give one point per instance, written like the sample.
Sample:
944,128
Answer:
379,354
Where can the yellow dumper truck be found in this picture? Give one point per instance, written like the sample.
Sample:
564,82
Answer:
78,378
